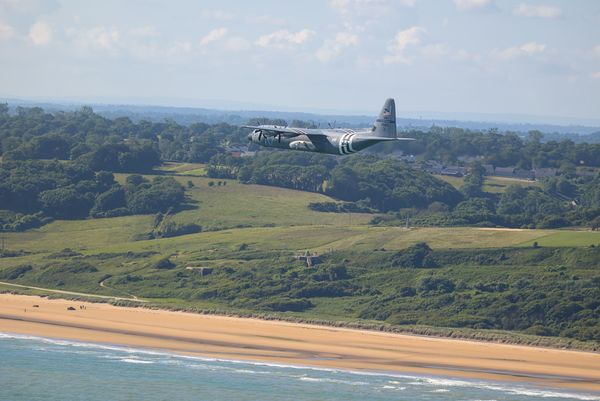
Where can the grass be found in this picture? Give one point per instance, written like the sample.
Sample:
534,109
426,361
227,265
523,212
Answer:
495,185
233,205
186,169
499,184
566,238
267,218
249,228
456,182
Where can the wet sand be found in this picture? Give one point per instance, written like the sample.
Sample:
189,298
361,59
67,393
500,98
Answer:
300,344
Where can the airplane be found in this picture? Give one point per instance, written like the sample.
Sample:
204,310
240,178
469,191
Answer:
336,141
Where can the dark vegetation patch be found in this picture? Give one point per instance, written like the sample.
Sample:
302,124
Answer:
14,273
65,253
9,253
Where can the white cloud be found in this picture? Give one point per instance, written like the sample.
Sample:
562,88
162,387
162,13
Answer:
596,75
226,42
104,37
6,31
527,49
284,38
98,37
474,5
541,11
213,36
40,33
412,36
333,47
596,51
533,47
435,51
144,32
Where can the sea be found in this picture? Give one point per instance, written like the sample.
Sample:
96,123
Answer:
37,368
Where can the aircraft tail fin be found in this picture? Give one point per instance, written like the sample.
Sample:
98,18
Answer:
385,125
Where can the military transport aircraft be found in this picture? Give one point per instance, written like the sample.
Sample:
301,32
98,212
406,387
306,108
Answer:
336,141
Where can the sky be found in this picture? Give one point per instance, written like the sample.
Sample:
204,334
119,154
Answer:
478,56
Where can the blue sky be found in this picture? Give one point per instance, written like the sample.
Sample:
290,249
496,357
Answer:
480,56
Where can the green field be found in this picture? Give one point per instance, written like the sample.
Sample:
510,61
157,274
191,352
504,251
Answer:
185,169
265,218
499,184
491,184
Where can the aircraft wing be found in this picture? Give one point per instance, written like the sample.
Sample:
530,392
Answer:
379,138
273,130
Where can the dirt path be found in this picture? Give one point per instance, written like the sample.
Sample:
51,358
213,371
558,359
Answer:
83,294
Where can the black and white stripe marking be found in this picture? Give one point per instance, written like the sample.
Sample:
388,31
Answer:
345,145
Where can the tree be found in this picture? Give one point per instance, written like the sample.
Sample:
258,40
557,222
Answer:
112,199
65,203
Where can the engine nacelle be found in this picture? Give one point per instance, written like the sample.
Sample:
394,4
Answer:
256,136
302,145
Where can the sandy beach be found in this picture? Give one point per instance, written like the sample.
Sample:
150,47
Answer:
258,340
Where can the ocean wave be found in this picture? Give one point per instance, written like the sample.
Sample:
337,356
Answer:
508,389
328,380
200,362
140,361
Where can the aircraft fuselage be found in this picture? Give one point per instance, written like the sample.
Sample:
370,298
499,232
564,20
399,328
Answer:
332,141
336,141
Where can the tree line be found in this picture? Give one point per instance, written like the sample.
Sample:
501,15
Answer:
33,133
368,181
506,149
34,192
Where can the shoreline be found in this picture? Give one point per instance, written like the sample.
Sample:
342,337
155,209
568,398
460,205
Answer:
254,340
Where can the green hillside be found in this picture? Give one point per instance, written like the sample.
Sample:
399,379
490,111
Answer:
465,277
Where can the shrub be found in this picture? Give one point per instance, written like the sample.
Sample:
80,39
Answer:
13,273
408,292
414,256
172,229
436,285
287,304
164,264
